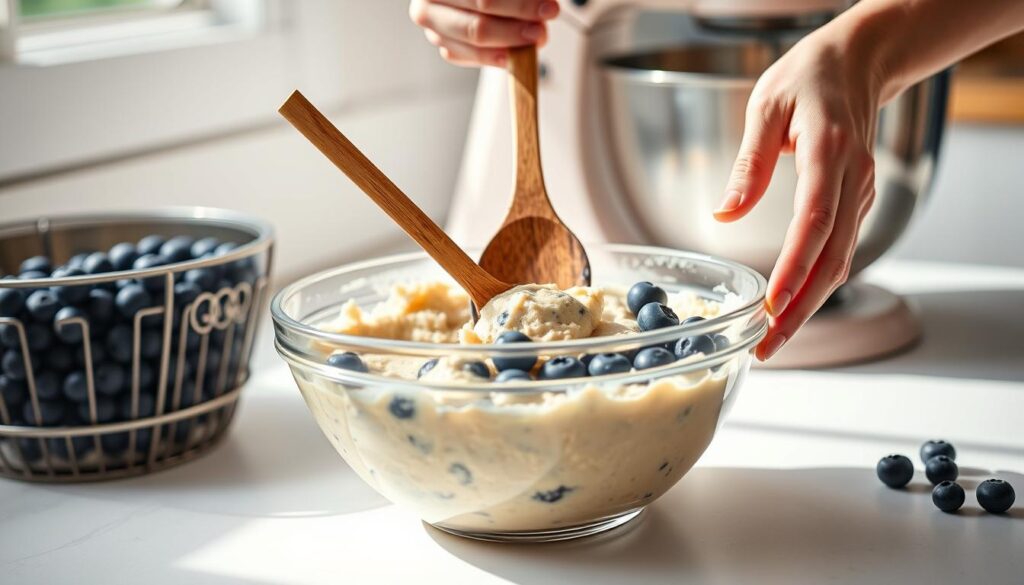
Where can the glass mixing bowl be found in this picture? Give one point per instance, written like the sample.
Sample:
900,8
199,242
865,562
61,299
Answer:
532,460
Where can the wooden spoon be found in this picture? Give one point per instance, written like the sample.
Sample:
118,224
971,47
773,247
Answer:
477,282
532,245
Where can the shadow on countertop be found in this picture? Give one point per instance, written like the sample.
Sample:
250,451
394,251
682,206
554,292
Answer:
731,525
975,334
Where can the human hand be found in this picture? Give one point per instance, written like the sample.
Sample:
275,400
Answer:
820,102
480,32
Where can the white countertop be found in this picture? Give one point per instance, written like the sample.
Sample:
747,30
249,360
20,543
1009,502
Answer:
785,494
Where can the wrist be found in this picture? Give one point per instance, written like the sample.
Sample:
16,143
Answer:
869,37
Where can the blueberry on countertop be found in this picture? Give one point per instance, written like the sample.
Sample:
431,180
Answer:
177,249
150,245
941,468
69,332
426,367
939,447
643,293
42,305
347,361
561,367
514,363
895,471
603,364
478,369
688,346
513,375
948,496
123,255
70,294
656,316
36,264
11,301
995,495
97,263
204,246
131,298
652,357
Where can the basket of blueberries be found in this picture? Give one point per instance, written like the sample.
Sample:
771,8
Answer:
124,339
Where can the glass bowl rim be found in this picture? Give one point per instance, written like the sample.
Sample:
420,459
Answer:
391,346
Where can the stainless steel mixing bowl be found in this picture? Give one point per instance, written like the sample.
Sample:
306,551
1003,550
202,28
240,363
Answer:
674,119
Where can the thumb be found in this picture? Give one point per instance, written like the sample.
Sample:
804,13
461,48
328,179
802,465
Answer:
763,138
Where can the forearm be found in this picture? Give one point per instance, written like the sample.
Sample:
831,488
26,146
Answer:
905,41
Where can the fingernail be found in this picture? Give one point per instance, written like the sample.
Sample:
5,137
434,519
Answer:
774,344
777,305
730,203
533,32
548,10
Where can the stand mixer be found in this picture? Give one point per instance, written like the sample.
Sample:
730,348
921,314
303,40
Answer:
641,111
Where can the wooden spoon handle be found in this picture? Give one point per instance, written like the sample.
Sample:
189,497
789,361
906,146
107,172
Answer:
530,195
479,283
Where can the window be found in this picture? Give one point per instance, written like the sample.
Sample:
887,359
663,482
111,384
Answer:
38,9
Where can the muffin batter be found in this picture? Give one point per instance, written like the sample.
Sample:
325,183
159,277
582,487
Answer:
482,461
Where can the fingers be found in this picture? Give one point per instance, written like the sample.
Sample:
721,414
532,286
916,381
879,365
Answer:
467,55
474,29
530,10
832,267
763,137
816,205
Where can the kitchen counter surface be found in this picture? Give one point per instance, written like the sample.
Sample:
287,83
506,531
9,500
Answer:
785,494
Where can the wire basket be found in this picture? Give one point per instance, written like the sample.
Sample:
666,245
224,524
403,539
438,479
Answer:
142,391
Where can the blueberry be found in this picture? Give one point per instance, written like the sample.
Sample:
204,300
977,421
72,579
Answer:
11,301
177,249
105,410
150,245
70,294
656,316
51,412
119,343
114,443
48,385
13,365
77,260
694,319
204,246
478,369
69,332
652,357
995,495
146,375
721,342
185,293
426,367
109,379
461,473
603,364
688,346
9,337
204,278
147,261
552,496
401,407
932,448
123,255
941,468
131,298
59,358
33,274
512,375
82,445
894,470
146,406
97,263
96,352
36,264
346,361
948,496
514,363
643,293
39,337
12,391
42,305
76,386
151,343
561,367
100,306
